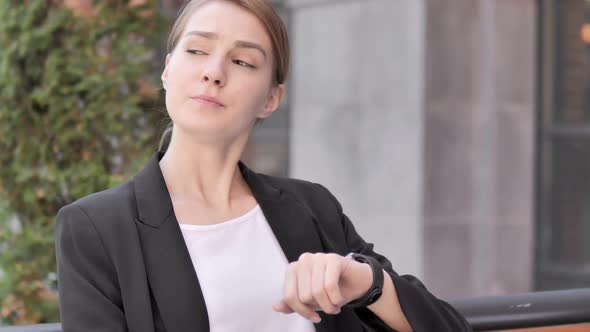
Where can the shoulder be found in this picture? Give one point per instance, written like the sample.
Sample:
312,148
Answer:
116,196
118,199
89,234
102,209
310,193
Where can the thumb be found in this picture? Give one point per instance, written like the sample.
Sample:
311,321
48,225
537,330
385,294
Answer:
282,307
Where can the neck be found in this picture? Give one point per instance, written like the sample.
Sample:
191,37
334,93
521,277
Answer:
207,172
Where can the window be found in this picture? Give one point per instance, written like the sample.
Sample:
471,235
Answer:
563,233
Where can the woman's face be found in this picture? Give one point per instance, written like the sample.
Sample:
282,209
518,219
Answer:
218,79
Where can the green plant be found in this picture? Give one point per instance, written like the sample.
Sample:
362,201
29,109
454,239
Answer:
77,115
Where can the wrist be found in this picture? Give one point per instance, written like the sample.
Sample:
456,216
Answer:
364,276
374,278
387,285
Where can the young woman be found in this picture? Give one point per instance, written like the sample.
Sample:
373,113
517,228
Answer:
196,241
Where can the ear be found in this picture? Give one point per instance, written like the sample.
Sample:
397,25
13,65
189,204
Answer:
277,93
164,76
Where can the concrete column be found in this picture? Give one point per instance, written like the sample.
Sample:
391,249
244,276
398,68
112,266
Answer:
356,121
479,146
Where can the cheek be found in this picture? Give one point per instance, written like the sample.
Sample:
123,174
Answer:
179,73
254,95
176,85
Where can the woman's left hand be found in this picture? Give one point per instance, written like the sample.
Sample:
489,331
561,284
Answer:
323,282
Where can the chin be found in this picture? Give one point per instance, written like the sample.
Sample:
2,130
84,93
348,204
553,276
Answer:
208,132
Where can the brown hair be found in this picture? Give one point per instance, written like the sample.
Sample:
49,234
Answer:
272,22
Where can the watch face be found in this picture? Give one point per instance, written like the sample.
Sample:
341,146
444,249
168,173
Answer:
376,295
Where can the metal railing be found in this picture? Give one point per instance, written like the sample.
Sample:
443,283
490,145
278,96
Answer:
526,310
487,313
54,327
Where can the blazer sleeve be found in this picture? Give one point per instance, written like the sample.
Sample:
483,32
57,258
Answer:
423,310
89,295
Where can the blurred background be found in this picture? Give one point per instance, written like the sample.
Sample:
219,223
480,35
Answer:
455,133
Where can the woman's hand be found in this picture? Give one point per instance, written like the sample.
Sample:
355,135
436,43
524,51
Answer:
323,282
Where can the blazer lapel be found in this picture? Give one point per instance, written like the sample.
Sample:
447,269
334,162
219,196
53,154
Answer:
291,222
169,268
170,272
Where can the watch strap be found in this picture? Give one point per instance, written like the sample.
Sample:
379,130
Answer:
374,293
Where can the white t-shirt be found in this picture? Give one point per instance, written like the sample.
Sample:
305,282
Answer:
241,269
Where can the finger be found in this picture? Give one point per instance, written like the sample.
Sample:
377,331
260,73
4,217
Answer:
291,296
282,307
332,282
303,275
318,289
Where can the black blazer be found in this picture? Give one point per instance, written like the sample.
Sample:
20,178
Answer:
123,264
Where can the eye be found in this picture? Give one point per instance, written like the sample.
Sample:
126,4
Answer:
243,64
197,52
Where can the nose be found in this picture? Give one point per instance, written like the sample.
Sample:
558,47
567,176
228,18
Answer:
213,73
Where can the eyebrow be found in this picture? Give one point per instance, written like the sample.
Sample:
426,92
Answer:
238,43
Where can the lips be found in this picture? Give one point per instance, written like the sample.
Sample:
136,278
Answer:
208,100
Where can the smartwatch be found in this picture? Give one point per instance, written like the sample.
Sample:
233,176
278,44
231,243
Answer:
376,289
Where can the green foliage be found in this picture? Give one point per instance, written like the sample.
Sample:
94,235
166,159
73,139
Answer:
78,114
